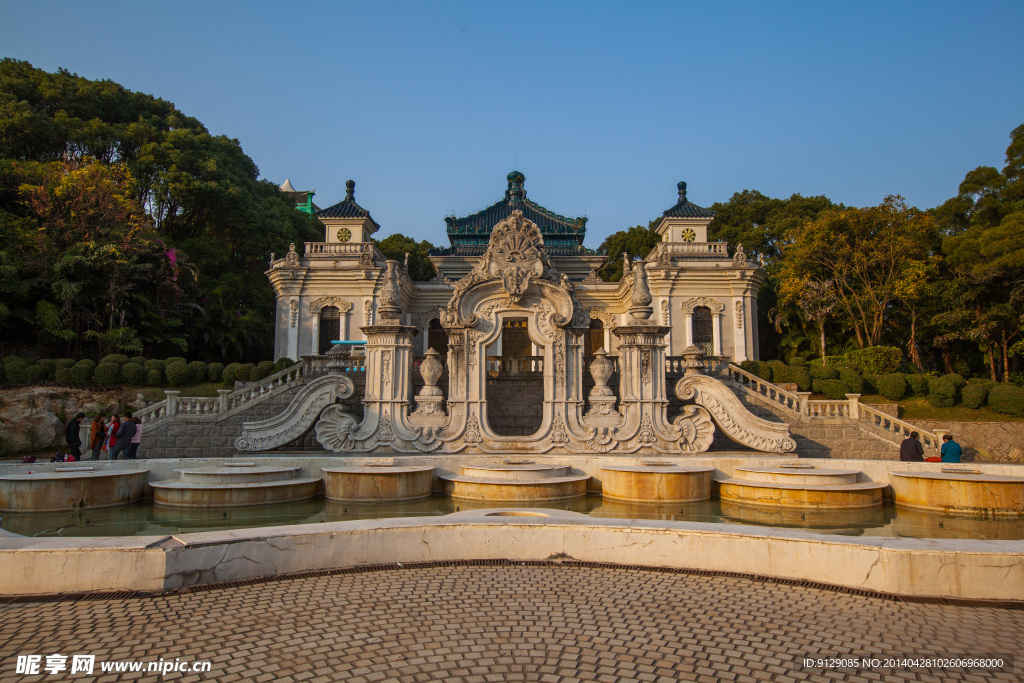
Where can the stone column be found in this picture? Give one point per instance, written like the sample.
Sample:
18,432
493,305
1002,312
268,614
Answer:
805,402
292,347
740,327
642,371
716,331
172,401
854,400
222,396
688,329
315,327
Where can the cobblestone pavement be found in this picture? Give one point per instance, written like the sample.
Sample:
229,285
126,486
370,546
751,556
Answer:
508,623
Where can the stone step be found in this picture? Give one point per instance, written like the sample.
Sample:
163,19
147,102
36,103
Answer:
821,497
524,472
189,494
798,475
234,474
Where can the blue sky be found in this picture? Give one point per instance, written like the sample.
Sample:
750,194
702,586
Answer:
603,105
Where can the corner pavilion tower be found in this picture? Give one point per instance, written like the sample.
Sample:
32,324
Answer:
329,290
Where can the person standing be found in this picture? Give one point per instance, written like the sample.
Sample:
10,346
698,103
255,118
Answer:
124,438
115,424
73,436
133,452
911,449
97,435
951,451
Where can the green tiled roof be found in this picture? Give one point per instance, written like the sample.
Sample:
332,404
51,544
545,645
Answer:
471,233
348,207
685,209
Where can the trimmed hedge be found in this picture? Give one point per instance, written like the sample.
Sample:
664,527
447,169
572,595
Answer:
138,360
86,363
759,368
242,372
36,373
154,378
941,393
852,379
155,364
789,374
133,374
63,363
228,374
175,359
215,372
80,373
878,360
118,358
823,372
262,369
974,395
918,384
834,389
282,363
1007,399
16,370
107,373
177,374
197,371
892,386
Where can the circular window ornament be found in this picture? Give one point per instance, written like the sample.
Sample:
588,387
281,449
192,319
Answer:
689,235
344,234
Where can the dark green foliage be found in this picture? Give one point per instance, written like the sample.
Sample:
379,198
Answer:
155,364
35,374
823,372
16,369
177,374
86,363
62,375
215,372
196,371
133,374
870,383
876,359
154,378
50,365
941,393
852,379
1007,399
892,386
139,360
398,245
118,358
242,372
789,374
759,368
262,369
80,373
777,368
918,384
834,389
958,381
107,374
974,395
64,363
174,359
638,241
228,376
282,363
12,359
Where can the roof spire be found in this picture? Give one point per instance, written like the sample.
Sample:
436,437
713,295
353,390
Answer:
515,191
682,191
350,190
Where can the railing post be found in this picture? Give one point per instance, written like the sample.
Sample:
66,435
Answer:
854,400
805,402
939,433
222,398
172,402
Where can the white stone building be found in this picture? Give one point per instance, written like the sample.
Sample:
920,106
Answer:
328,290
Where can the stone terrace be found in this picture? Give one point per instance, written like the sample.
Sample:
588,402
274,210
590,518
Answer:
554,623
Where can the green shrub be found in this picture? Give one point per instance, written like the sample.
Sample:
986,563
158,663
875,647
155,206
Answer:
228,375
282,363
758,368
63,363
1007,399
878,360
973,395
242,372
834,389
154,378
36,373
117,358
852,379
133,374
62,375
155,364
823,372
918,384
798,361
174,359
81,373
107,374
941,392
958,381
215,372
177,374
789,374
892,386
262,369
138,360
86,363
16,369
776,365
50,365
197,371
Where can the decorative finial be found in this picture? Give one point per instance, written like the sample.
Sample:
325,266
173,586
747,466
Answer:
682,191
515,192
350,190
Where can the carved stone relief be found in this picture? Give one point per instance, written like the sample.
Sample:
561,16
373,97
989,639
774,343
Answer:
715,305
739,315
338,302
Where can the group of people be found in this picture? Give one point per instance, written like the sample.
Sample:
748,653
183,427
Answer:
912,450
122,434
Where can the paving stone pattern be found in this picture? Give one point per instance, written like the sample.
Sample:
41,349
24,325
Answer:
544,623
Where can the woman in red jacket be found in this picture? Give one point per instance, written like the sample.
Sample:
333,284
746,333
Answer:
115,424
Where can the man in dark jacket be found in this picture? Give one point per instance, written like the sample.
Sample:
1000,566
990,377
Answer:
124,437
911,449
72,434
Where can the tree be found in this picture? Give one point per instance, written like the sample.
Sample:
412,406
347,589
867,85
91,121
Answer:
816,300
638,241
398,245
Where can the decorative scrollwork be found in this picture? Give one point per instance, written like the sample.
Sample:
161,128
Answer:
715,305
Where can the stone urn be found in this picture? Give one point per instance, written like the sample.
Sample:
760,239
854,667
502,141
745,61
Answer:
601,370
430,370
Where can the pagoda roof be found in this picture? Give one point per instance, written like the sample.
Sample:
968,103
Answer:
347,208
473,231
686,209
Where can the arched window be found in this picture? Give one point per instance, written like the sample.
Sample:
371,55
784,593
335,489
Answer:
330,328
703,333
595,338
437,338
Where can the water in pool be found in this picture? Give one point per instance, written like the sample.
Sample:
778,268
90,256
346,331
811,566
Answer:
146,519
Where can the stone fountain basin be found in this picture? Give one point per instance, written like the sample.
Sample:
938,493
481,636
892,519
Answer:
976,493
67,490
236,474
175,493
512,490
515,472
656,483
793,475
819,497
376,484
